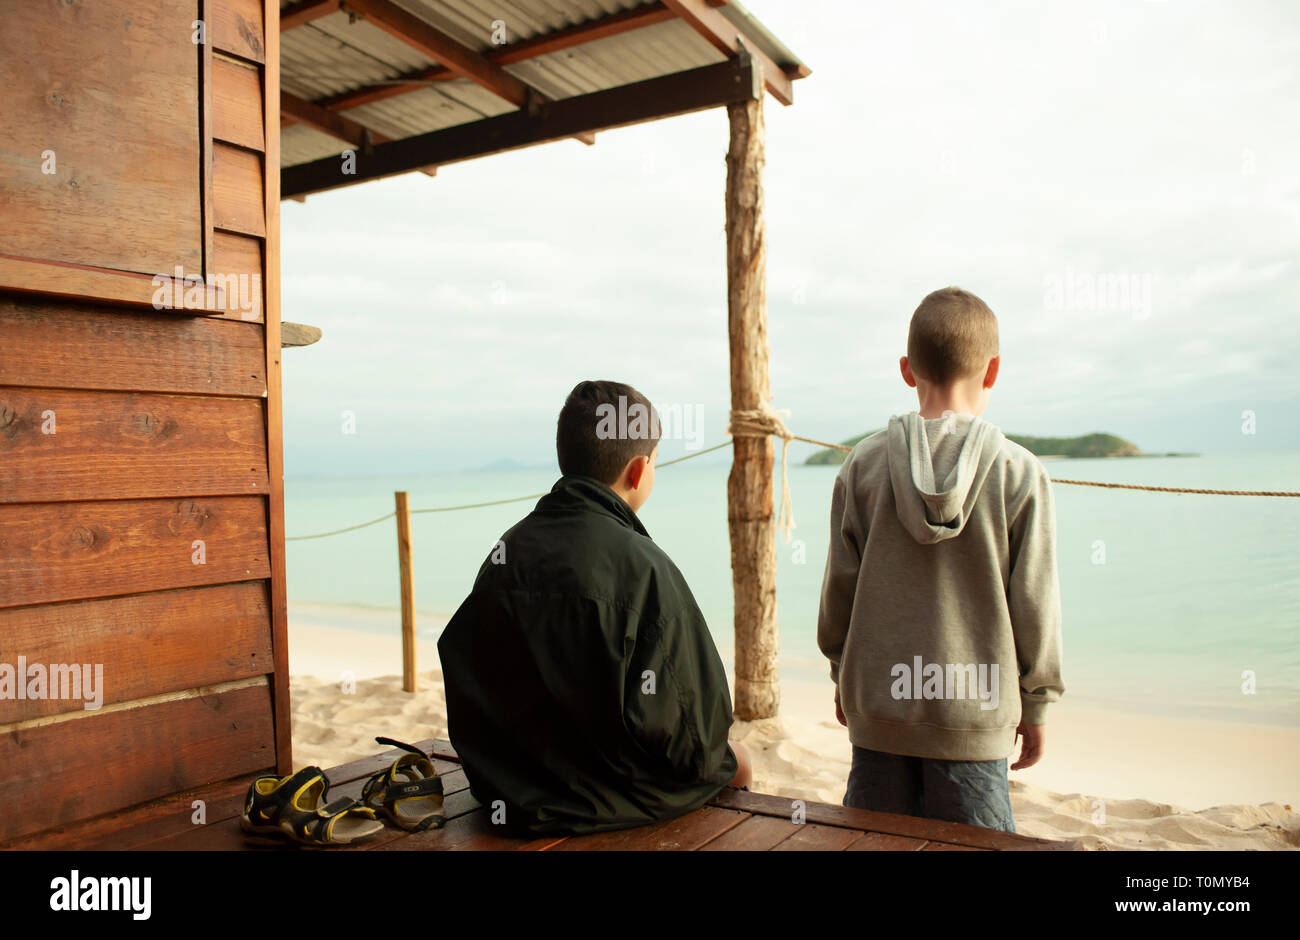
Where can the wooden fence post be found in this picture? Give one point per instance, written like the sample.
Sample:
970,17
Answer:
749,487
408,591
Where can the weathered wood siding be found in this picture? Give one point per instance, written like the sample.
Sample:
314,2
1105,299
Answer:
141,495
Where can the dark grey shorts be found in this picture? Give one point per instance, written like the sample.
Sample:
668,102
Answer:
967,791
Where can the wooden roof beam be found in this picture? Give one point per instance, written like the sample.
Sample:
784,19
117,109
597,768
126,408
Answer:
437,45
557,40
304,11
294,110
704,18
368,94
737,79
298,334
336,125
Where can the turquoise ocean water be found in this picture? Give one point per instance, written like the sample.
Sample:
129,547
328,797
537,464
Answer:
1167,599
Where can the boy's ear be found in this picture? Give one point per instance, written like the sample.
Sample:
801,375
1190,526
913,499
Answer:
906,369
635,470
991,373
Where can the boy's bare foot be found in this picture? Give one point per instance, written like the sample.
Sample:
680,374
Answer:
744,772
1031,749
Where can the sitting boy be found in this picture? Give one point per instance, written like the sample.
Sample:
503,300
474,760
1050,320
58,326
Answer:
940,609
584,691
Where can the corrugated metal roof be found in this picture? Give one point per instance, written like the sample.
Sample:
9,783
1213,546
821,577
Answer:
299,144
470,21
334,54
617,60
331,55
431,109
632,56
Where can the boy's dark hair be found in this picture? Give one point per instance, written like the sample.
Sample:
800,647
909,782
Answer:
602,426
952,336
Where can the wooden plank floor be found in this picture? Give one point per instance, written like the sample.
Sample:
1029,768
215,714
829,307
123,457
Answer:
735,820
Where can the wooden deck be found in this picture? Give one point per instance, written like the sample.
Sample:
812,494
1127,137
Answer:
734,820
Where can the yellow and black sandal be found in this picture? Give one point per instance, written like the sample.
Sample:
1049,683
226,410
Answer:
292,806
414,805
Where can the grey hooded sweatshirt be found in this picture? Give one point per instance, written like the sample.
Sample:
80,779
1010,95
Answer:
940,608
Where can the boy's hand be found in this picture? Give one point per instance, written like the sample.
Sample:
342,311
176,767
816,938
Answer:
839,712
1032,747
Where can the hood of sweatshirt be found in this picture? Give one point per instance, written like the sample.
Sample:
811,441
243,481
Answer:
937,467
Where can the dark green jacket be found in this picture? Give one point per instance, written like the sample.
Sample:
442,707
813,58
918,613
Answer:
583,687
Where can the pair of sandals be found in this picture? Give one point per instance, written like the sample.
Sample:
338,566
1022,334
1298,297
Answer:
408,793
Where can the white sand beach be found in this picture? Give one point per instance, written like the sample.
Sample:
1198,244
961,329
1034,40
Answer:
1216,785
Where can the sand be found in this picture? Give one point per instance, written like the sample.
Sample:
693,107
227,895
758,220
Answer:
346,689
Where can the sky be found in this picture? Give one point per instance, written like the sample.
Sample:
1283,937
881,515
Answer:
1118,180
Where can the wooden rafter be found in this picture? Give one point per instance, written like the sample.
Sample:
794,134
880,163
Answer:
368,94
485,68
728,39
304,11
336,125
437,45
298,334
678,93
544,44
295,110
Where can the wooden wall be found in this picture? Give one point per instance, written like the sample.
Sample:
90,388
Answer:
141,473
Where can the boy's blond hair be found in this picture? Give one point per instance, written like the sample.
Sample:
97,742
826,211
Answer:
952,336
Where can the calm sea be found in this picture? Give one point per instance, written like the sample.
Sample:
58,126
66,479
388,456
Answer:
1172,603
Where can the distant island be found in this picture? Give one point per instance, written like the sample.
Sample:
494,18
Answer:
1092,445
501,465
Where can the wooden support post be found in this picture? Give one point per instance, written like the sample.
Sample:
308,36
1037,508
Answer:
750,516
408,591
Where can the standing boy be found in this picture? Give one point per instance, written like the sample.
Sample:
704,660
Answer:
584,691
940,609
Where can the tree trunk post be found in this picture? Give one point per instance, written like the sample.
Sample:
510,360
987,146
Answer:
750,516
408,591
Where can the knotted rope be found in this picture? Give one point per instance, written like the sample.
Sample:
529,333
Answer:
761,422
764,421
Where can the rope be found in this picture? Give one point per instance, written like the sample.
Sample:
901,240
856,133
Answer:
495,502
808,440
762,422
351,528
701,453
1177,489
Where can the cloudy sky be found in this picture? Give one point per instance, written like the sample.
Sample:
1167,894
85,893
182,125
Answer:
1029,152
